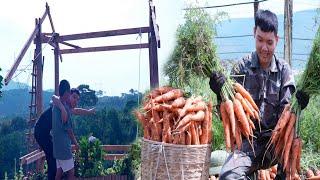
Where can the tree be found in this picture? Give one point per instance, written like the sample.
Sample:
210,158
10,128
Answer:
88,96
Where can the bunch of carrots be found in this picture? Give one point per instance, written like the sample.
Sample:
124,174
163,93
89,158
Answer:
267,174
238,111
313,174
169,117
287,145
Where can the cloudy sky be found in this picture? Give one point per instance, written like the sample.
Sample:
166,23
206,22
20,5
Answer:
113,72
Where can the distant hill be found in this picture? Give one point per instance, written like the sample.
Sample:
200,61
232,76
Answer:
15,85
15,102
236,47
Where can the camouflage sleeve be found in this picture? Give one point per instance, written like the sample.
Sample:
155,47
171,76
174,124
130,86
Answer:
287,85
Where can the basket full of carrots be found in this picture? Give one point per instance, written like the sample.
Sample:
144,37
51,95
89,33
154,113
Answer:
177,135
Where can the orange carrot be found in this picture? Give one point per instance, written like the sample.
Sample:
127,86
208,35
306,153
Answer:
205,128
245,94
182,139
173,94
188,138
309,173
245,106
298,167
238,137
294,155
200,106
241,116
179,102
210,122
267,175
290,126
226,125
230,111
199,116
287,149
194,138
163,89
182,112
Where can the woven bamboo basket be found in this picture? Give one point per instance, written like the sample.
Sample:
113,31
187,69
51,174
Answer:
171,161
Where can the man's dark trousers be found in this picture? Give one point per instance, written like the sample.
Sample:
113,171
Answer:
45,144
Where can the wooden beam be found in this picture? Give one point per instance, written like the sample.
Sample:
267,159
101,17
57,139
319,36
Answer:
104,48
39,69
24,50
288,31
23,158
153,50
69,44
255,7
56,71
112,157
34,157
153,23
124,148
50,18
98,34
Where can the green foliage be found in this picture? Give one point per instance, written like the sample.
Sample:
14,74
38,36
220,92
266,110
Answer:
88,96
130,165
310,125
19,175
89,161
194,49
12,146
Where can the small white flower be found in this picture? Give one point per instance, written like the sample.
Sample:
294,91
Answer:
92,139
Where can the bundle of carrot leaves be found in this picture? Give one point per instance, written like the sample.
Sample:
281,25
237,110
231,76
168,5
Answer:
195,55
285,138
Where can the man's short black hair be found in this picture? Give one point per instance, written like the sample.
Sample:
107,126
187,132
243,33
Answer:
75,90
267,21
64,87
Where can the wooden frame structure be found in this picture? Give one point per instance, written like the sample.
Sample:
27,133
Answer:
54,39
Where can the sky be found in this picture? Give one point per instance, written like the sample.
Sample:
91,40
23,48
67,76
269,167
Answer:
113,72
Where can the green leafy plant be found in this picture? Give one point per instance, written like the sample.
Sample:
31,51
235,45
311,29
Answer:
130,165
18,175
89,161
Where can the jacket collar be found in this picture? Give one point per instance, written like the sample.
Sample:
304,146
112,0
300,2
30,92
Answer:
255,62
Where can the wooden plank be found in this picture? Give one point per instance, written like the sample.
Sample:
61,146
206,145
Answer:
104,48
153,24
288,31
117,32
124,148
23,158
69,44
111,157
35,157
50,18
39,69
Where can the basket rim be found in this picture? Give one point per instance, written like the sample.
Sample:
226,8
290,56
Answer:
175,145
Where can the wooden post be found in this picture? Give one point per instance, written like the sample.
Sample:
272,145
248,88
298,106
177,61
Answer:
56,65
255,8
39,69
288,31
153,52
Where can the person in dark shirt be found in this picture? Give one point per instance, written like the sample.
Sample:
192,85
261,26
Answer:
270,82
44,139
44,125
